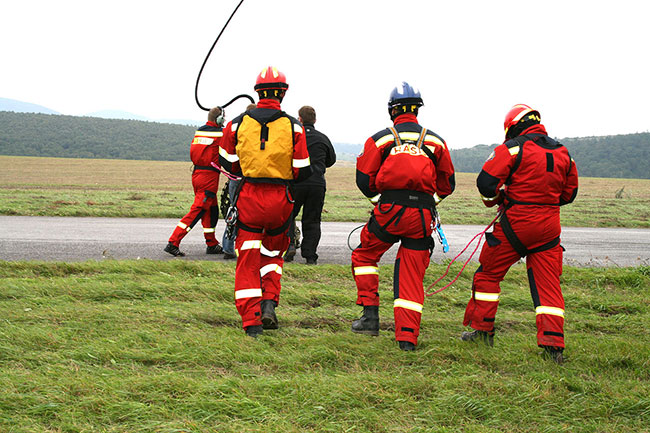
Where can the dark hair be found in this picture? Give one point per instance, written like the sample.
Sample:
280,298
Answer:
307,114
214,113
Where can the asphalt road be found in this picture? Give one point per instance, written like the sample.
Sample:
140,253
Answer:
78,239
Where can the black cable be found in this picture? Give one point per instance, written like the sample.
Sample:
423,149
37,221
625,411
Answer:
350,235
198,78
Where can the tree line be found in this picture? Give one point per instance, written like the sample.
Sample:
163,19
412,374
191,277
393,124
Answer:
34,134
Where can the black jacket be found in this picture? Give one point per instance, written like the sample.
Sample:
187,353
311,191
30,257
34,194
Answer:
321,156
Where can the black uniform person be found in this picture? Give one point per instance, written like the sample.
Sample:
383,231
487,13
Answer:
310,194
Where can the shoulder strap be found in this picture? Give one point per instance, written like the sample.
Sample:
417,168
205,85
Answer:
520,140
424,148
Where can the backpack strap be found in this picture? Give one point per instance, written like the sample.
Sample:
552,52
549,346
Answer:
264,132
397,141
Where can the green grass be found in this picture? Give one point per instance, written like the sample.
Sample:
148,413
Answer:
142,346
163,189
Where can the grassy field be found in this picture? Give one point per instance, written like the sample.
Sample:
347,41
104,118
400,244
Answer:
158,189
140,346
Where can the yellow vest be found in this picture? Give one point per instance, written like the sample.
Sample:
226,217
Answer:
266,150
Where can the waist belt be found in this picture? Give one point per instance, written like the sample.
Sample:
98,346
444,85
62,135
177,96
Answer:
205,167
516,242
405,197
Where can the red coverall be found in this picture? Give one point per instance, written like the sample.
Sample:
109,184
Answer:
539,177
205,180
408,179
264,216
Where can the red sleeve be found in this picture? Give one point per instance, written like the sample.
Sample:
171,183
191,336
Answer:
445,177
301,163
228,158
368,164
570,190
500,162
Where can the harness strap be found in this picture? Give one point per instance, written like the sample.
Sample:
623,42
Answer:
421,244
380,232
282,228
516,243
243,226
205,167
406,197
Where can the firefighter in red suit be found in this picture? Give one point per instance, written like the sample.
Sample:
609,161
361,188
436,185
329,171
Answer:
530,175
205,179
267,148
409,170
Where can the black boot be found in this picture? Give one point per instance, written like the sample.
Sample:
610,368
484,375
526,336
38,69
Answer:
254,331
214,249
291,252
476,336
173,250
555,354
269,320
406,345
368,323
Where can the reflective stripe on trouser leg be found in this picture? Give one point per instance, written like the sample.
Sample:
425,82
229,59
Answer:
495,260
544,270
209,222
408,291
247,277
271,263
196,213
365,269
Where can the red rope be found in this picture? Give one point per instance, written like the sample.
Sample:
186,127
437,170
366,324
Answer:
225,173
480,236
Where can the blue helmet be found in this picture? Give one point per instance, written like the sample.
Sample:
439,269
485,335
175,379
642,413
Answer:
405,96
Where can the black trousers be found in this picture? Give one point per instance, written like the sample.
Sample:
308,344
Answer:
310,199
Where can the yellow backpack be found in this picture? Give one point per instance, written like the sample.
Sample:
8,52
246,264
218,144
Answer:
265,147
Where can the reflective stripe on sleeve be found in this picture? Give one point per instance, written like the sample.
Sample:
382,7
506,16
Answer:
251,245
209,134
553,311
208,230
228,156
182,225
514,150
297,128
248,293
301,163
383,140
434,139
366,270
488,297
409,305
270,268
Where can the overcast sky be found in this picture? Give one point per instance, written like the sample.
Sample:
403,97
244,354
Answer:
583,64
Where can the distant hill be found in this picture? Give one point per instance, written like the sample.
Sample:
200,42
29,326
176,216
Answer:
27,107
30,134
618,156
33,134
23,107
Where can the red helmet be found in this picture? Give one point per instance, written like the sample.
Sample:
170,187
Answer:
517,113
271,83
